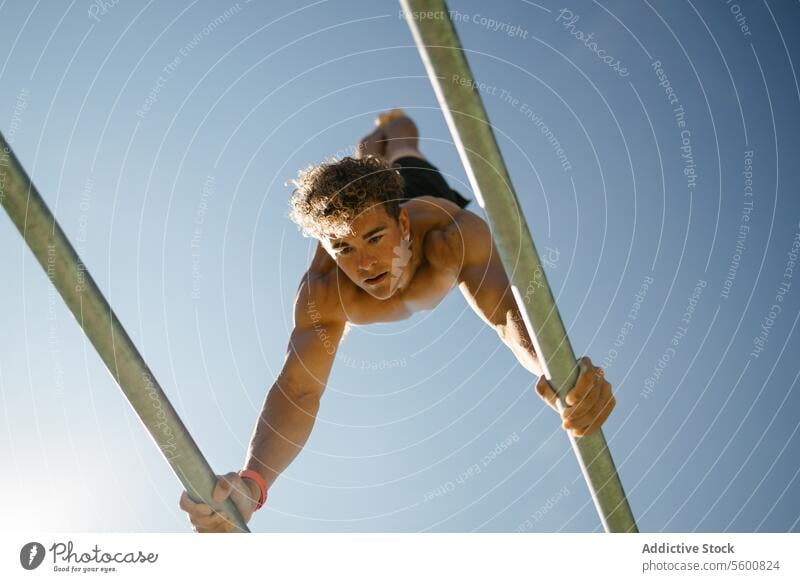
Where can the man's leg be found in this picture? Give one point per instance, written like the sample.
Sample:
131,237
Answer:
395,136
401,138
372,144
421,178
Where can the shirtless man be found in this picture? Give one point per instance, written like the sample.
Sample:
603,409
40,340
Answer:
393,239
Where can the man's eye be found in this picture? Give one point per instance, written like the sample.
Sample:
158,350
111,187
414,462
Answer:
375,239
344,251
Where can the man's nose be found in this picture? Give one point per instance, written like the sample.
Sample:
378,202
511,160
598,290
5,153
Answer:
366,261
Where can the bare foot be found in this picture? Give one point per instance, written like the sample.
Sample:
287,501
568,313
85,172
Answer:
385,118
372,144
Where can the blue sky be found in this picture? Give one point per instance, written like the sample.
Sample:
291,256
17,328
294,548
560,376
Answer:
661,186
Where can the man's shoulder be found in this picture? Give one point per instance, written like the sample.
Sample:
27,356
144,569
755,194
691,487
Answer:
449,237
428,206
319,298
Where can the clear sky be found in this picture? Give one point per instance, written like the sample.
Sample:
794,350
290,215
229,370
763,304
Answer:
654,150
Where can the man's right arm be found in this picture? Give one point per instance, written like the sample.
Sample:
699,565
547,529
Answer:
291,406
289,410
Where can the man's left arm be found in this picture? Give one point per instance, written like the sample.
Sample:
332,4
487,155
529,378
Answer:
483,282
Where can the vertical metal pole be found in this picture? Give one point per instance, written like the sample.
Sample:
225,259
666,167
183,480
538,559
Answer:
68,274
461,103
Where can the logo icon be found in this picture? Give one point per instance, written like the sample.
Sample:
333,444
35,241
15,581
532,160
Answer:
400,260
31,555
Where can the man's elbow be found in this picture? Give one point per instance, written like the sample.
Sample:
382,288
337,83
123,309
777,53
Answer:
301,392
522,347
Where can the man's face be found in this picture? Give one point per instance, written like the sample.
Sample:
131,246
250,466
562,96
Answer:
372,255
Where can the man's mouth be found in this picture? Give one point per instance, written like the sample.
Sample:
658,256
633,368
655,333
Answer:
377,279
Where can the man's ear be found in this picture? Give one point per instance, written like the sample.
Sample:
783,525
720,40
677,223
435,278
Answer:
405,223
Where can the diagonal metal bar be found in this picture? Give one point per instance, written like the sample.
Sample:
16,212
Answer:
66,271
462,106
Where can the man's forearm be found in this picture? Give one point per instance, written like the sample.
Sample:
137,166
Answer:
281,432
515,335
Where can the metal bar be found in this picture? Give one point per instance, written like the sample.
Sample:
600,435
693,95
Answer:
68,274
461,103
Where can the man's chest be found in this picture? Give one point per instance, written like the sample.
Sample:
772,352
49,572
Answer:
427,289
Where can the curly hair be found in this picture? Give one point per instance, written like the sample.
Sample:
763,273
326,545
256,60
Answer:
329,196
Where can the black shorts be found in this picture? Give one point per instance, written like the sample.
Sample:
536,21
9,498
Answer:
421,178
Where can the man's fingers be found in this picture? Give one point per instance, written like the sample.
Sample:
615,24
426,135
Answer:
590,422
583,413
192,508
598,420
589,401
204,518
583,407
222,523
218,522
587,378
224,487
546,392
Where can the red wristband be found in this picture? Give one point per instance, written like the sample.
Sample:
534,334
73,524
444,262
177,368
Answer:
262,484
